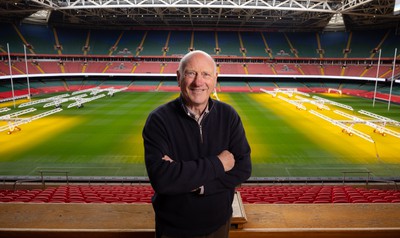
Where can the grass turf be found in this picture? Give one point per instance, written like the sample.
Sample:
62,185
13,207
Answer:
104,138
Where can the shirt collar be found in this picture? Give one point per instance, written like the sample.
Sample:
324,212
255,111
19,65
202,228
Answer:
188,112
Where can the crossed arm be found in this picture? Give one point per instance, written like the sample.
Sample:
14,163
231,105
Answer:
227,159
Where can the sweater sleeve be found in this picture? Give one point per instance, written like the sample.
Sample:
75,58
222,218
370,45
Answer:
178,176
240,148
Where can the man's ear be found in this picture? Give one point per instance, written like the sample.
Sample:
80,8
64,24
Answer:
178,78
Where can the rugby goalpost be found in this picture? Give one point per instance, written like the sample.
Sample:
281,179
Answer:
334,90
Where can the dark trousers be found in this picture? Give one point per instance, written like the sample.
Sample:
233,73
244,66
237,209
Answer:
222,232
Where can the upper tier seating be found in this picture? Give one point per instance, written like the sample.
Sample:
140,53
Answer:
67,41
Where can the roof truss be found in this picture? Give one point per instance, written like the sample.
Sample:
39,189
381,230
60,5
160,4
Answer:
331,6
279,14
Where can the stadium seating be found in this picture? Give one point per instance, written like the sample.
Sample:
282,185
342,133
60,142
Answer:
253,43
316,194
66,41
170,68
276,49
149,67
259,69
154,43
178,38
231,68
50,67
282,194
73,67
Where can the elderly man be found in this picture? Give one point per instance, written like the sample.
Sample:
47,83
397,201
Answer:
196,153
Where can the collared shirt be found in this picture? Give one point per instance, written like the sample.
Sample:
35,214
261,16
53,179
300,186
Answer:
195,116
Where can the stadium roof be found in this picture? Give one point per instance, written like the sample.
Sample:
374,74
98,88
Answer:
283,15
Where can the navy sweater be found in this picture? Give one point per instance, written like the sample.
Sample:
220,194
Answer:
169,130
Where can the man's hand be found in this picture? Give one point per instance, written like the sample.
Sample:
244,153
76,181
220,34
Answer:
227,159
167,158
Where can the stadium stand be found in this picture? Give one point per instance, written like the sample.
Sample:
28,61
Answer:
229,43
125,210
332,70
51,67
38,36
297,51
333,44
278,45
310,69
119,67
253,43
32,69
286,69
352,70
170,68
127,44
154,43
249,193
304,43
95,67
206,41
73,67
259,68
72,41
231,68
149,67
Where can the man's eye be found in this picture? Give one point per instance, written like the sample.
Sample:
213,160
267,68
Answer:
190,74
206,75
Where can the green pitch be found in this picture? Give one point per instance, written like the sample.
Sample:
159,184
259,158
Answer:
104,138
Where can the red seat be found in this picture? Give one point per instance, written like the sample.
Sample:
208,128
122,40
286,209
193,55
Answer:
111,199
129,199
340,201
288,199
270,199
281,202
360,201
249,199
379,201
22,199
321,201
6,199
145,199
390,198
302,201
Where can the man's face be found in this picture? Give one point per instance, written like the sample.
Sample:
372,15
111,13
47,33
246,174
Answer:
198,80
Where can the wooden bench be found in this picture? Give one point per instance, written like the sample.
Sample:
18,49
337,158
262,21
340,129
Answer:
137,220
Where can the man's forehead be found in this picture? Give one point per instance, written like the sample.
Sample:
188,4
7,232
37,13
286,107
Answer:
196,62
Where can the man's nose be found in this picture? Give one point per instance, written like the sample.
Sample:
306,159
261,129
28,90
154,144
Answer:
198,79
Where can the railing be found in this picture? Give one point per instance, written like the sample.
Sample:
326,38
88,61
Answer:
23,181
357,172
344,179
53,172
369,178
42,178
387,182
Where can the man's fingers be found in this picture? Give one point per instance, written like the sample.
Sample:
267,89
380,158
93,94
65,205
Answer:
227,159
167,158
